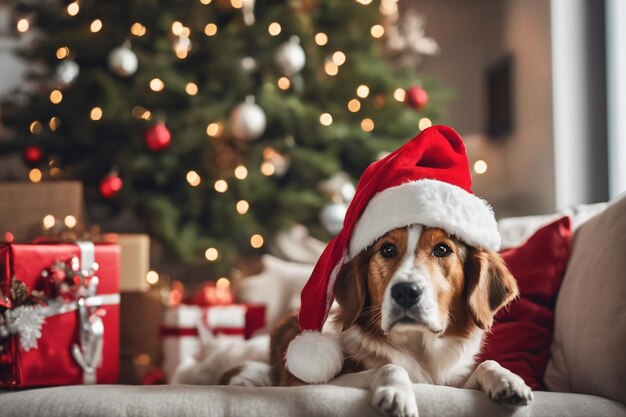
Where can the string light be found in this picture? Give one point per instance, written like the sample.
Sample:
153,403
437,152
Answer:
399,94
354,105
138,29
210,29
23,25
424,123
156,85
193,178
142,113
256,241
339,58
377,31
214,129
191,89
321,38
241,172
73,8
220,186
480,167
363,91
54,123
70,221
211,254
96,25
35,175
177,28
284,83
55,172
96,114
267,168
242,206
63,52
326,119
48,221
331,68
186,32
237,4
274,29
367,124
364,2
206,2
181,53
152,277
56,96
35,127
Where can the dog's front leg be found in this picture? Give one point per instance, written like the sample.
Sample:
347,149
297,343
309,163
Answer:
500,384
391,388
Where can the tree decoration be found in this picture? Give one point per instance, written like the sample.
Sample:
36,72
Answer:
247,120
332,216
416,97
290,57
158,137
110,185
123,61
248,12
33,155
67,72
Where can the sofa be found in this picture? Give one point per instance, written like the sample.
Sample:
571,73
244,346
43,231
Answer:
586,374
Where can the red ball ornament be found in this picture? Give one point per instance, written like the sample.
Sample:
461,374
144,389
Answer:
158,137
416,97
33,155
110,185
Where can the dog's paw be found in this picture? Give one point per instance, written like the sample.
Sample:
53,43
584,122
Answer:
395,401
512,392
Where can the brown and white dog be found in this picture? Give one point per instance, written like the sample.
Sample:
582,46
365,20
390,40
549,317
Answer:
414,308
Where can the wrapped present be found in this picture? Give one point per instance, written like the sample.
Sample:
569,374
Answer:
186,326
59,316
135,260
23,207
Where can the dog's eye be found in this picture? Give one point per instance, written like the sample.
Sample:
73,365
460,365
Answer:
389,250
441,249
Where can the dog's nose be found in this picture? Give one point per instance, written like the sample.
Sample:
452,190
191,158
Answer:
406,294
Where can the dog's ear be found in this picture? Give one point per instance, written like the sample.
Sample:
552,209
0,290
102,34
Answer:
351,288
489,285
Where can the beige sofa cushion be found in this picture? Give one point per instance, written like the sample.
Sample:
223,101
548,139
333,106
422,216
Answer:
589,346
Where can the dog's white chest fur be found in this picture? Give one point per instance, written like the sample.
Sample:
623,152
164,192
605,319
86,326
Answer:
427,358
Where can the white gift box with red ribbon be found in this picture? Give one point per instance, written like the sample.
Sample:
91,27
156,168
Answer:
185,327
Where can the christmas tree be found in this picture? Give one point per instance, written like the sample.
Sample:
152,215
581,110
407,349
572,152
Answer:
216,122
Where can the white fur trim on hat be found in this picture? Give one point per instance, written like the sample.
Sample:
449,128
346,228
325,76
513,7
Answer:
430,203
315,357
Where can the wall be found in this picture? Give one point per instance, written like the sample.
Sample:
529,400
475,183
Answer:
472,36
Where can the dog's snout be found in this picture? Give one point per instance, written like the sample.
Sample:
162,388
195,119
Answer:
406,294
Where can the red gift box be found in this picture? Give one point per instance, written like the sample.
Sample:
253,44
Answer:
79,340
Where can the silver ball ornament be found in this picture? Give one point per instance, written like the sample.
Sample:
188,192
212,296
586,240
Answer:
123,61
332,216
66,72
247,120
290,57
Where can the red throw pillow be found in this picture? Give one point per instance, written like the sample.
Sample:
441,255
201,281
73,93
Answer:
522,333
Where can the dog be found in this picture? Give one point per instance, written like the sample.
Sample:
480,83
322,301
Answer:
413,308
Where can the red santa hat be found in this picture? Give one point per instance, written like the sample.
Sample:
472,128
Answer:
426,181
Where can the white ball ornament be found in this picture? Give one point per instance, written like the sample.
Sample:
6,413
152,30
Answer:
290,57
66,72
123,61
332,216
247,120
